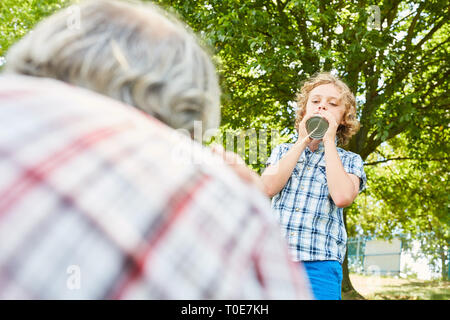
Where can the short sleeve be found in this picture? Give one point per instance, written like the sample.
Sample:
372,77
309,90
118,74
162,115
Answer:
355,166
275,155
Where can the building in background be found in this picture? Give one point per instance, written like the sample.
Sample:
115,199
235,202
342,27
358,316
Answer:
371,256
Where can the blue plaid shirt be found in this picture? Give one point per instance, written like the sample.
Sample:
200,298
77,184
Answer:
310,221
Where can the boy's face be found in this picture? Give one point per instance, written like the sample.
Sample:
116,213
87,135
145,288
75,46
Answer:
326,97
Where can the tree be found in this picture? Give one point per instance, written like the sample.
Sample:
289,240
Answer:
393,54
407,199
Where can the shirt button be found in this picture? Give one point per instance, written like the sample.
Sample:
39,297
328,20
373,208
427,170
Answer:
292,233
301,188
297,209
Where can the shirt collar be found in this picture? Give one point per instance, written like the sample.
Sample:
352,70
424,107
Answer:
321,147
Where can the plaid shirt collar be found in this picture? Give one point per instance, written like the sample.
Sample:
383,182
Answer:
321,147
317,156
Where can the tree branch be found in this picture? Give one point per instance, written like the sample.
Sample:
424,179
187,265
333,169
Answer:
413,25
430,34
405,158
391,14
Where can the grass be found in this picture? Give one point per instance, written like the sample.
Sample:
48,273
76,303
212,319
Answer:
389,288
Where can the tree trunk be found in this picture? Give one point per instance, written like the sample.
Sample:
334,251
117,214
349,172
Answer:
444,268
347,286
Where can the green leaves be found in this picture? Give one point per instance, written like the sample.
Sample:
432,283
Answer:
18,17
408,195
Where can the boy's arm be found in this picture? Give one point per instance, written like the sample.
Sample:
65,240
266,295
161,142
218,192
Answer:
275,177
343,186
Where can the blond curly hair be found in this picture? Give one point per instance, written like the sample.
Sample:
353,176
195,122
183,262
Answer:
351,125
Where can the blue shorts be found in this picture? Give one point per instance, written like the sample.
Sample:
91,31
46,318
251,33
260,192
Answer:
325,278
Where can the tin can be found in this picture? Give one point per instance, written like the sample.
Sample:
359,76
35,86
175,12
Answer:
318,124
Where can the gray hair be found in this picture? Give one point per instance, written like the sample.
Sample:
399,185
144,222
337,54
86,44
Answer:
129,51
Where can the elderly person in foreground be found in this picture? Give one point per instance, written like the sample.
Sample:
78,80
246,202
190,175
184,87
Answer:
94,203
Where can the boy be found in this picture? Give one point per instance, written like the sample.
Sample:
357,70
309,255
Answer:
311,181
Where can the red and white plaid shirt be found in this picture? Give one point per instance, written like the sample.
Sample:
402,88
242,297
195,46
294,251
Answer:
98,201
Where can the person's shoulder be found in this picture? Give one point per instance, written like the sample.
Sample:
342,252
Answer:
177,157
158,145
351,159
348,154
284,147
58,98
30,84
